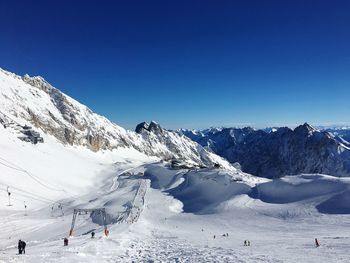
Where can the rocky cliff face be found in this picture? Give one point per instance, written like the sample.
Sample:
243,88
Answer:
34,100
280,152
175,146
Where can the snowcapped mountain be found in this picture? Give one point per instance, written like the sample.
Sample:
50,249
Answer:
32,100
341,134
180,146
282,151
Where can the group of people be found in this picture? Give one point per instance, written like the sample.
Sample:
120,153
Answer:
246,243
22,244
224,235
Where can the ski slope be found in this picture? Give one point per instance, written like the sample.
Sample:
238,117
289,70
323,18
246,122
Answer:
159,214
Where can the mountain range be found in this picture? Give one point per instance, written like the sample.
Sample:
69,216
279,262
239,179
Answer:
270,153
277,152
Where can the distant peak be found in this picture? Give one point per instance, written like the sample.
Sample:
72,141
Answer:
152,127
305,128
141,126
308,126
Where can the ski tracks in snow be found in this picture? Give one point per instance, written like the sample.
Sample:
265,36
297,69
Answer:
176,250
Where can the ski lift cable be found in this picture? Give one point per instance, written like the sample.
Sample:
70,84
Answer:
35,178
23,192
14,232
32,176
16,167
33,196
16,199
28,196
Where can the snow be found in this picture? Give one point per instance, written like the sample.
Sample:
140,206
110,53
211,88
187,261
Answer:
156,213
146,199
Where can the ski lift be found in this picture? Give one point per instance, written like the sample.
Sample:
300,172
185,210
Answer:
100,211
9,196
25,208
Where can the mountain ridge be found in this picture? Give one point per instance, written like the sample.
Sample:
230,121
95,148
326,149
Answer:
279,152
35,100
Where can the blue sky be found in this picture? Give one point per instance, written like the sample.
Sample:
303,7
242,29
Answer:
191,64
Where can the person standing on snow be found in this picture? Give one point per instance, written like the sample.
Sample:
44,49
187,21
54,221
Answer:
317,244
23,247
19,247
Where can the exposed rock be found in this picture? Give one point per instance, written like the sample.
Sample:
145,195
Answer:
280,152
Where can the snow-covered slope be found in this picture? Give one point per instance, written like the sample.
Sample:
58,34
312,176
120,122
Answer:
342,134
157,211
281,151
32,100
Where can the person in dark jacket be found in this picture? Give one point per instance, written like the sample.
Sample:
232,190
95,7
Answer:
23,247
317,244
19,247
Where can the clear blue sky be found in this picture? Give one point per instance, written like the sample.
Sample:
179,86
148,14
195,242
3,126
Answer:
190,64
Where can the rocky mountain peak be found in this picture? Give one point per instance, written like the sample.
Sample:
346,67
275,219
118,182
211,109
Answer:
305,129
151,127
143,126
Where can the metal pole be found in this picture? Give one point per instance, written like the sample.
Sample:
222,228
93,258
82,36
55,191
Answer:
73,222
9,195
104,221
25,208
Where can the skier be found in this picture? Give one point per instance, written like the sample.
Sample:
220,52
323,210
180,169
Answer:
92,234
19,247
65,241
248,243
214,236
317,244
245,243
